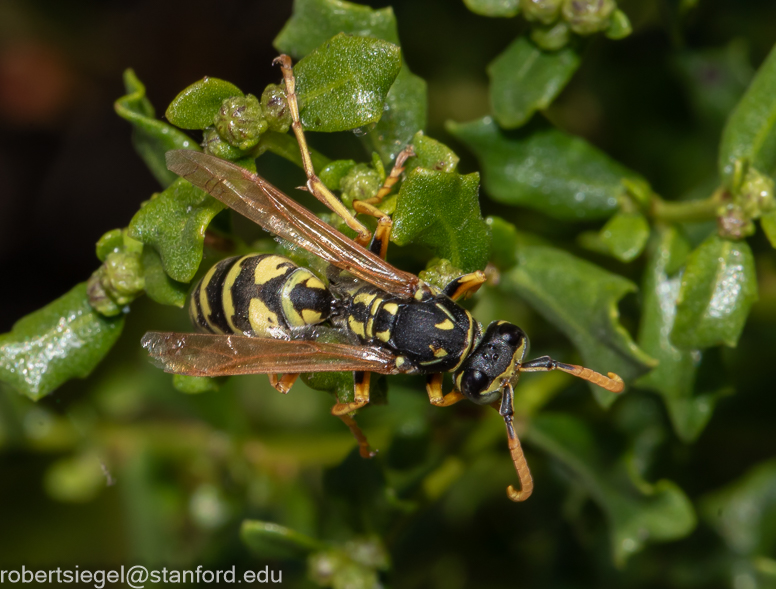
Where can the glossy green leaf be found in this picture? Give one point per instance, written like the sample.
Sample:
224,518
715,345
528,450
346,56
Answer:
718,288
152,138
743,513
506,240
174,223
271,540
494,8
431,154
197,105
343,83
625,235
404,115
674,376
637,512
158,286
768,223
441,211
545,169
332,174
63,340
524,79
314,21
580,299
750,133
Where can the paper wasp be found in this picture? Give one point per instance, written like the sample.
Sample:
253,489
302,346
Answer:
261,310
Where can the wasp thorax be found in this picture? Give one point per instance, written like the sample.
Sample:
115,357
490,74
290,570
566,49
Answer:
488,369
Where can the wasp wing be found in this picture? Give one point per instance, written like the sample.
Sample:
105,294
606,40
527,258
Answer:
199,354
255,198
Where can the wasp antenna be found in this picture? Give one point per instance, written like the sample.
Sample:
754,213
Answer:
518,458
612,383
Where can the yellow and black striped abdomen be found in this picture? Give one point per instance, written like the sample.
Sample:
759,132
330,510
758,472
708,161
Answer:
261,295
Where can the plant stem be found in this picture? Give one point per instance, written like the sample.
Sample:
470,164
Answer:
691,211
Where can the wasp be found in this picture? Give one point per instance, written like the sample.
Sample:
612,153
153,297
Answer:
260,313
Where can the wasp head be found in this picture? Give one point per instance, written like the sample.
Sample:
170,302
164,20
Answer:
493,364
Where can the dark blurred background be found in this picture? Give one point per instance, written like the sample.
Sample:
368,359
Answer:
656,102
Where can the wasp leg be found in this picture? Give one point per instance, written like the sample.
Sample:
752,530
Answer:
435,394
314,183
612,382
465,286
390,181
363,444
518,458
360,398
283,382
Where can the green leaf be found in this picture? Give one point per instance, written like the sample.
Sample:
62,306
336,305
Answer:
494,8
404,115
743,512
151,138
197,105
431,154
524,79
174,223
750,133
674,376
314,21
194,385
441,211
718,288
158,286
620,26
625,235
271,540
580,299
332,174
637,512
63,340
343,83
506,240
768,223
545,169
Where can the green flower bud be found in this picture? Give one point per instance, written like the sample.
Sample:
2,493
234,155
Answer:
240,122
215,145
275,107
551,38
122,277
619,26
99,298
755,196
733,223
586,17
544,11
439,272
360,183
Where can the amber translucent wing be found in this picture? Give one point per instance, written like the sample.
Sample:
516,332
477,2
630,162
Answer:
255,198
199,354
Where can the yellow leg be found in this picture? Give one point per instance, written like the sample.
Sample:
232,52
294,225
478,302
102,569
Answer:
283,382
612,382
393,177
314,184
435,394
465,286
360,398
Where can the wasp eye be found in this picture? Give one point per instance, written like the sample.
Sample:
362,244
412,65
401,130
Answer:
473,382
511,334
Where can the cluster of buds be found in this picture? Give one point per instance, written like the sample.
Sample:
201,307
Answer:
751,199
555,20
242,120
120,279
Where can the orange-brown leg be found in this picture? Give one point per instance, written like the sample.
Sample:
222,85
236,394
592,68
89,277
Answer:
363,444
360,398
516,451
314,184
435,394
283,382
